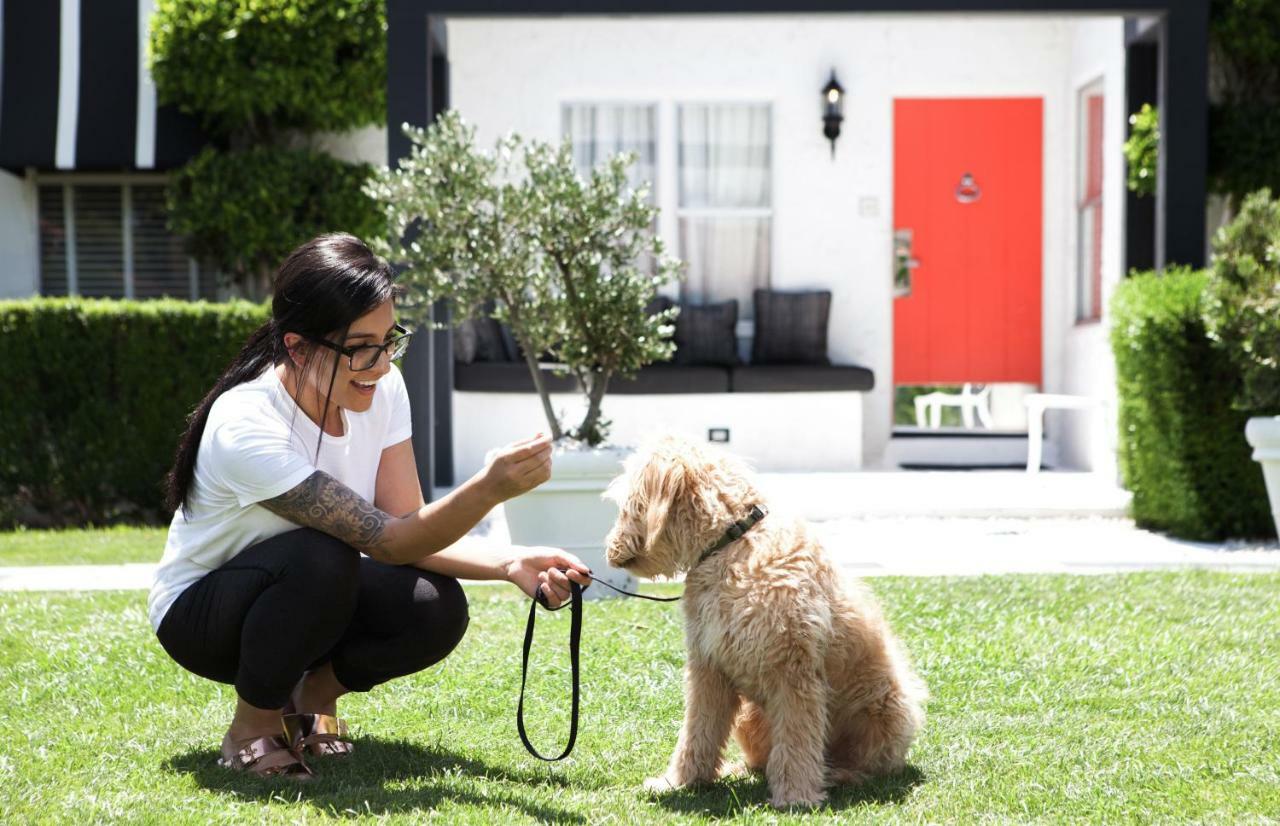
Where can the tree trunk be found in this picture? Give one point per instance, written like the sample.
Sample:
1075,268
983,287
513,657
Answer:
596,388
531,361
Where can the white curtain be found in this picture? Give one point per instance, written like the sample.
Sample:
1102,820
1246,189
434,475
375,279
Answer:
725,171
599,130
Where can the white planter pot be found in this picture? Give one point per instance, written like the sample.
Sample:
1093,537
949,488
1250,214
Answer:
1263,433
567,511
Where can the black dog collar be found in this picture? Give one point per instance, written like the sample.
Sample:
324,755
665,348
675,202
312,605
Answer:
734,532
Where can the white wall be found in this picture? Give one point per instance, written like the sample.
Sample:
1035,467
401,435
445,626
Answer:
1086,365
19,243
832,219
482,421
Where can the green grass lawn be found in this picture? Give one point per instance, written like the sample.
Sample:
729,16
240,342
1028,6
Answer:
87,546
1151,697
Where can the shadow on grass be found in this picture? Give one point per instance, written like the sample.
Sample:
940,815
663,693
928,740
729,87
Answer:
734,796
372,781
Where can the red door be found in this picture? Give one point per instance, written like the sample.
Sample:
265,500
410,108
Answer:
967,183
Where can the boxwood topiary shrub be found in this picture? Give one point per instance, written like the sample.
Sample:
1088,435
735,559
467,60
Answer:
1182,447
95,395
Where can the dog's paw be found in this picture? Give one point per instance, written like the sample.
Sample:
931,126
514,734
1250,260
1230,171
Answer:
798,800
737,768
659,785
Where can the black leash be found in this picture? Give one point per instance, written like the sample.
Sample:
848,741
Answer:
734,532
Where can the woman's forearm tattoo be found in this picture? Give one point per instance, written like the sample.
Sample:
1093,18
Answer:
324,503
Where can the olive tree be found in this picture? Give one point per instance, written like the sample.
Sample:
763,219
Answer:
569,263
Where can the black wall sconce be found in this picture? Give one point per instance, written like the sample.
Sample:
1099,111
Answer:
832,110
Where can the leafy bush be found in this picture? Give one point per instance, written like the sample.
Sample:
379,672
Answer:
247,210
1182,450
95,396
1244,148
1243,306
1142,149
1244,124
282,64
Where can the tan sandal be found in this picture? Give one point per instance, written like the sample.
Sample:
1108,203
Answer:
268,757
323,735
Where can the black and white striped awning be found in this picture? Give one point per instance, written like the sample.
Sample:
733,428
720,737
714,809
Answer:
75,93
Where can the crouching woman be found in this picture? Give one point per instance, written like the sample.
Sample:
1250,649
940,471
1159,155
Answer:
302,562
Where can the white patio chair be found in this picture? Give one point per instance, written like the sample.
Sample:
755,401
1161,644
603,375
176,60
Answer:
967,400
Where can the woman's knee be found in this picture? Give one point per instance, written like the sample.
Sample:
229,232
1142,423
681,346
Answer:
440,616
325,557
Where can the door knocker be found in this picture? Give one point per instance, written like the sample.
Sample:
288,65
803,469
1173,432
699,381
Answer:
967,191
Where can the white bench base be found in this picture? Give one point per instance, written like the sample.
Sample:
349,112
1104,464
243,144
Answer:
776,432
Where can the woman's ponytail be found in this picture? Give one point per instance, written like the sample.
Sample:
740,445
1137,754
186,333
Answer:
260,351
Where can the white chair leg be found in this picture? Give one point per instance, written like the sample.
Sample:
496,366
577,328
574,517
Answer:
983,406
1035,434
920,410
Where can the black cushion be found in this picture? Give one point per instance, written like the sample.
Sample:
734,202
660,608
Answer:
799,378
657,304
480,339
791,327
464,341
673,378
505,377
483,339
706,334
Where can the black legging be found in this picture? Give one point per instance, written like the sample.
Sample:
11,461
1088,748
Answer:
300,599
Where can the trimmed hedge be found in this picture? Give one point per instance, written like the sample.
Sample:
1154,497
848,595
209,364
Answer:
96,393
281,64
248,210
1182,449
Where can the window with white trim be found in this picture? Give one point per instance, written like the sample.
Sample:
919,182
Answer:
1089,120
103,236
725,206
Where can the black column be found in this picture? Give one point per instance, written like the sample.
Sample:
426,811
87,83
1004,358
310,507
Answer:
1184,136
1141,70
443,339
409,101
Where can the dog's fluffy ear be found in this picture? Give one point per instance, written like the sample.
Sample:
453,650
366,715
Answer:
664,485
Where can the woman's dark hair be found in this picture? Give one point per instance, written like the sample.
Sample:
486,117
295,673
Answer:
320,289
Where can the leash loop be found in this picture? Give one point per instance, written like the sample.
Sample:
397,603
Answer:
575,636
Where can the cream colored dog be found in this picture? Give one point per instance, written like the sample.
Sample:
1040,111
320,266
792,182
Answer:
797,663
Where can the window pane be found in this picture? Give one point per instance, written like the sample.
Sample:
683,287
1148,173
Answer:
99,241
599,131
159,260
53,240
727,257
725,156
1089,204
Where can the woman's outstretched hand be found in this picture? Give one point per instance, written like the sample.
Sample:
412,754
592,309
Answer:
518,467
551,568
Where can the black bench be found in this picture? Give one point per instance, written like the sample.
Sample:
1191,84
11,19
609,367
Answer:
789,326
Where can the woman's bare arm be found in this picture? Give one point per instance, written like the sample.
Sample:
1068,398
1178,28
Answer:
324,503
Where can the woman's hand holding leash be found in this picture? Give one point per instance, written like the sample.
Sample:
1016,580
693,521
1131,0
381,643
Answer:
550,569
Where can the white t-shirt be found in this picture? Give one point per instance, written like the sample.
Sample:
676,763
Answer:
258,444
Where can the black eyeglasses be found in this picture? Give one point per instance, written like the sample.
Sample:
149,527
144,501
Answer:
365,356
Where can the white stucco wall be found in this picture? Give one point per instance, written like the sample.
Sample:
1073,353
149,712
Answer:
19,241
1086,364
832,218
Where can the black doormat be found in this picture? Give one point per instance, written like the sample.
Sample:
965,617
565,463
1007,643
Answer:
928,466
